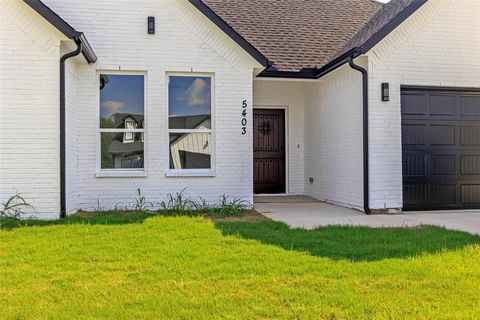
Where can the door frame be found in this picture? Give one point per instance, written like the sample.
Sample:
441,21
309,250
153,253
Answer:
287,153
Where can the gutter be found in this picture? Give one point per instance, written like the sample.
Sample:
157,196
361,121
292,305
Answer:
366,190
63,176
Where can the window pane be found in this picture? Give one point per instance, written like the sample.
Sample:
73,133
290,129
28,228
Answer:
121,150
190,150
189,102
121,101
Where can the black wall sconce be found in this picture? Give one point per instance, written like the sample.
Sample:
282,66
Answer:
385,92
151,25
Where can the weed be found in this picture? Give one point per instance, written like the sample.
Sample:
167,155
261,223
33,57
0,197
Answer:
14,207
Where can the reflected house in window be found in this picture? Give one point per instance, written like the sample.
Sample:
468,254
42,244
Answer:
126,148
190,125
122,121
193,149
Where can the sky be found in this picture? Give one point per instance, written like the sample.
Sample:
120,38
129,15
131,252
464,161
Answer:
189,96
122,94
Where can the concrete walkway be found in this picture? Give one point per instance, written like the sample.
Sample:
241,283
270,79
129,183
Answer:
308,213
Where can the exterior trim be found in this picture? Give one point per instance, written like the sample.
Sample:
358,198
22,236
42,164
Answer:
63,26
229,31
439,89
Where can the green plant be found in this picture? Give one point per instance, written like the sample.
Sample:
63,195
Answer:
232,205
14,207
178,203
141,204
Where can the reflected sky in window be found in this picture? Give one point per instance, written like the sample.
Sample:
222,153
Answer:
122,94
189,96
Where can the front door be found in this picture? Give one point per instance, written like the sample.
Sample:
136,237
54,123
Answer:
268,151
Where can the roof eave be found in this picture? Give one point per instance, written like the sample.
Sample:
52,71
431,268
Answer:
62,26
312,73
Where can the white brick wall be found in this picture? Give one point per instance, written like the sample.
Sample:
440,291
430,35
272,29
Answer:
289,94
184,41
29,108
437,46
333,137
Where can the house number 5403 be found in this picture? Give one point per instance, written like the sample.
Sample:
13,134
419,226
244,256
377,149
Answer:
244,117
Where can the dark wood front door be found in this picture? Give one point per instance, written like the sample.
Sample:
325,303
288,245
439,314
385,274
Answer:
268,151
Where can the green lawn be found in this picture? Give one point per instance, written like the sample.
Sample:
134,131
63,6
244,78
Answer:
137,266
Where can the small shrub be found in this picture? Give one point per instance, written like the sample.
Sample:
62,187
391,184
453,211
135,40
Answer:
14,207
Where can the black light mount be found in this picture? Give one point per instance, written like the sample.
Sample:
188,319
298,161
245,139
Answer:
151,25
385,92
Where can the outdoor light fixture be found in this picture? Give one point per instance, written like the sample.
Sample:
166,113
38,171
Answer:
385,92
151,25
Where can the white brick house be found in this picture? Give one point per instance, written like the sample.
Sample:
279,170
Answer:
214,101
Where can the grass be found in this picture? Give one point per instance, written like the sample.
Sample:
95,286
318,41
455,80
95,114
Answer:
137,266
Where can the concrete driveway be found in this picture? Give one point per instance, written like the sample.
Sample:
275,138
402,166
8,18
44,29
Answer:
308,213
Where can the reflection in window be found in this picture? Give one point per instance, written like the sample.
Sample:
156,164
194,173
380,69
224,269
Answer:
190,127
122,121
190,150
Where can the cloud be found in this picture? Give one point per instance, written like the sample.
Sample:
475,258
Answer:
199,93
113,106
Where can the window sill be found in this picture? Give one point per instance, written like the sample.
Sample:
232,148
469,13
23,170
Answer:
190,173
121,174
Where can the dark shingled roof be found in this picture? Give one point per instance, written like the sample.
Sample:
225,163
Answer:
296,34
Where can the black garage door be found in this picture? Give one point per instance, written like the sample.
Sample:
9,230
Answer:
441,148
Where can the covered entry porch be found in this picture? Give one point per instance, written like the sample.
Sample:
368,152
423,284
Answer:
307,138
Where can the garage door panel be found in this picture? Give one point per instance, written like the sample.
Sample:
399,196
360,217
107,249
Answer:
441,149
441,105
470,194
442,164
470,164
470,106
414,104
415,194
414,134
470,135
442,194
415,165
441,134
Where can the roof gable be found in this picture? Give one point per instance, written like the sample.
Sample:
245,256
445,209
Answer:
309,38
296,34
